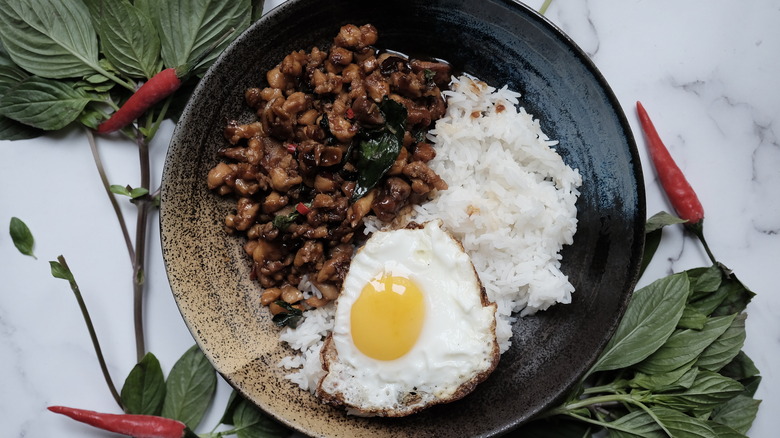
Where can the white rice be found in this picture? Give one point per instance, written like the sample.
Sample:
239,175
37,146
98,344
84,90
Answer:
511,202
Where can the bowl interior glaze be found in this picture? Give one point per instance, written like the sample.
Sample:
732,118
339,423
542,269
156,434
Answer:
499,41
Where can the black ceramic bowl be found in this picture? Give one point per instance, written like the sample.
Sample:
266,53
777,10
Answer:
499,41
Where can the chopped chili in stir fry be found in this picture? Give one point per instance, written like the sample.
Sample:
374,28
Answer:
339,136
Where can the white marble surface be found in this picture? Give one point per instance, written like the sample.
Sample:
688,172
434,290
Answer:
706,70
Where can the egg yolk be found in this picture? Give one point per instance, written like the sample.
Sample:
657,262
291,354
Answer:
387,317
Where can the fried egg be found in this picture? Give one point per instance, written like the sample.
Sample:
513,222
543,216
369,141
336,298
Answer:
412,328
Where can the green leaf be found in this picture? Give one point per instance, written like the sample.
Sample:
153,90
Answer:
650,319
652,241
49,38
5,60
12,130
290,317
726,347
660,220
44,103
10,76
706,303
250,422
128,191
708,280
60,271
379,148
741,367
692,319
144,389
737,298
188,28
635,424
128,38
684,346
653,233
144,6
119,189
751,385
682,426
282,221
91,118
257,9
723,431
22,237
233,402
737,413
680,378
138,192
708,392
190,388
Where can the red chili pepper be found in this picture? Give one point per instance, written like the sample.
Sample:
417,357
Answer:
677,188
291,147
302,208
157,88
138,426
350,114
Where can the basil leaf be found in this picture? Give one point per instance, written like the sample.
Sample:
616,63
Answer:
128,37
684,346
652,241
660,220
58,270
233,402
257,9
10,76
119,189
43,103
741,367
680,425
144,389
723,431
692,319
128,191
751,385
379,148
653,232
145,6
21,236
189,28
707,303
91,118
737,413
5,60
635,424
49,38
706,280
291,317
708,391
282,221
12,130
726,347
737,298
650,319
190,388
250,422
680,378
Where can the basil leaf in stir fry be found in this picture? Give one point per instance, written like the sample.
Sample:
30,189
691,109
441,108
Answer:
379,148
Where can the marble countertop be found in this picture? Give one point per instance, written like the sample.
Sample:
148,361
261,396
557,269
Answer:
706,70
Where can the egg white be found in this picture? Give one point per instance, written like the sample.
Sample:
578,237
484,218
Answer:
457,342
